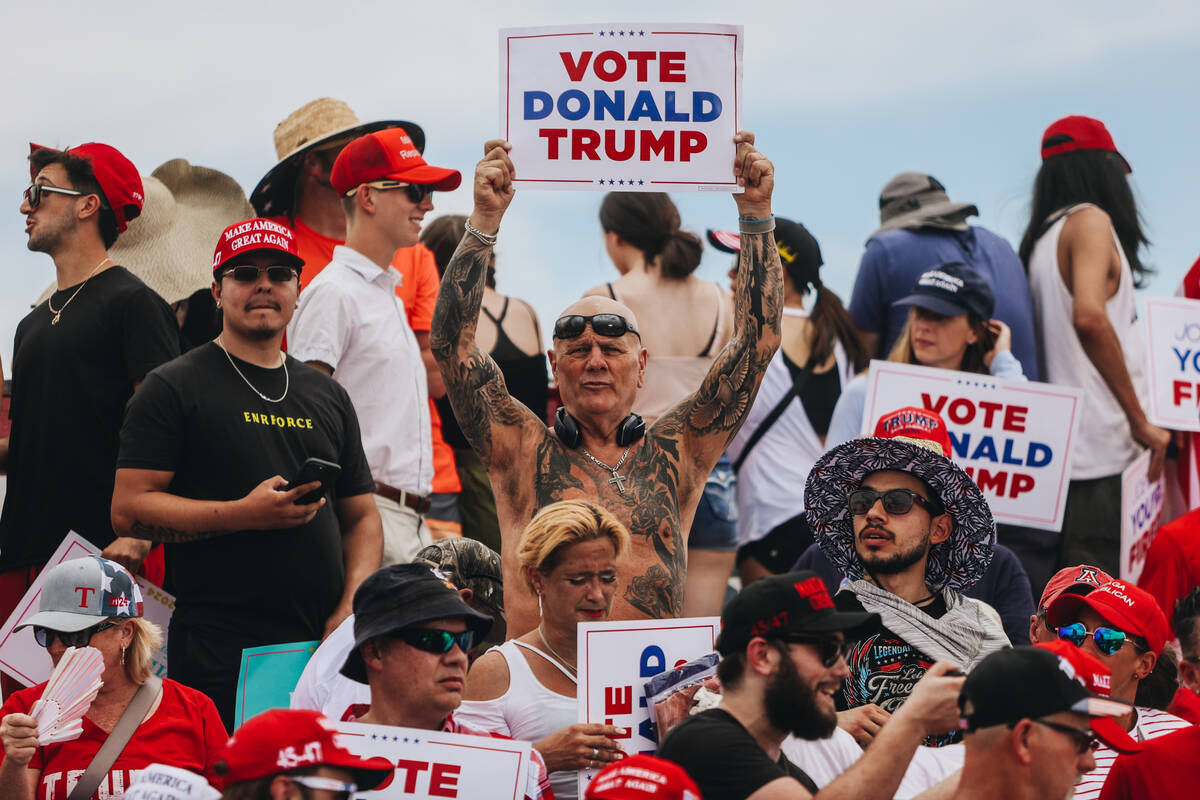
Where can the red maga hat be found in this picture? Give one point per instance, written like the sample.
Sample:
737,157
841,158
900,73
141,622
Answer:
253,236
388,155
281,740
118,178
918,426
1131,609
642,777
1076,132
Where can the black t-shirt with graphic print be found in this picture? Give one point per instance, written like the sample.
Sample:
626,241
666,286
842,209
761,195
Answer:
883,667
197,418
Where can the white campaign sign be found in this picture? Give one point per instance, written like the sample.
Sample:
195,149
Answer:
1012,437
432,764
20,655
629,107
615,660
1141,509
1173,340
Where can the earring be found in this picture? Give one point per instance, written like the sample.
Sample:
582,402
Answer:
218,304
539,605
122,656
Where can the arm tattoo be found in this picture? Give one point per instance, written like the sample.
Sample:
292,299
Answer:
474,383
169,535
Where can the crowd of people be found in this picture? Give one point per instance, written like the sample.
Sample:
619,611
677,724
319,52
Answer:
337,429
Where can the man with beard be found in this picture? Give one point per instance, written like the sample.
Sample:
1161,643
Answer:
782,645
910,530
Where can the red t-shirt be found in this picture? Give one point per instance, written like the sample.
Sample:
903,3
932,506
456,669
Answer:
1173,561
1165,769
185,731
1185,705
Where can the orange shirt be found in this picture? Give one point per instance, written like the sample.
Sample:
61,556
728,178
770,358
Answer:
418,289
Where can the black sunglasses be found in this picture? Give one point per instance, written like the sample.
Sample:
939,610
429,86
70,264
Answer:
435,640
829,648
34,192
248,273
895,501
417,192
1084,740
44,636
1108,640
573,325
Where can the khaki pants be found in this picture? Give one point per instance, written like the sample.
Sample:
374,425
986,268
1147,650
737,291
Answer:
404,532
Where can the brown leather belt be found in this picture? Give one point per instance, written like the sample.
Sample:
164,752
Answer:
414,501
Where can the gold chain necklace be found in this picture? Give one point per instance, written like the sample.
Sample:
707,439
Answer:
58,312
254,388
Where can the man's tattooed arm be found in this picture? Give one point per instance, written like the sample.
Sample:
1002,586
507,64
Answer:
490,418
167,534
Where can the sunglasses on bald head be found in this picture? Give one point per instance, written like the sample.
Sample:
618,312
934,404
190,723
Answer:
572,326
417,192
1108,640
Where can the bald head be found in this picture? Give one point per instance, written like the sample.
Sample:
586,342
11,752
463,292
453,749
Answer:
593,304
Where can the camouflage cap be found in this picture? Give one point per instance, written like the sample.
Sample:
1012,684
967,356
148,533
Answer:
470,565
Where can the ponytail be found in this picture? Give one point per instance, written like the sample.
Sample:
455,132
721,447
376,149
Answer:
650,222
681,255
830,322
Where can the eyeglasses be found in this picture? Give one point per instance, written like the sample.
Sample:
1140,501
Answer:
417,192
44,636
435,640
895,501
1084,740
34,192
248,273
829,648
1108,640
573,325
341,791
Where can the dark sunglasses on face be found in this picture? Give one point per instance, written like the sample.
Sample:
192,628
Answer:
1108,640
337,789
34,192
573,325
895,501
1084,740
248,273
417,192
829,648
44,636
435,640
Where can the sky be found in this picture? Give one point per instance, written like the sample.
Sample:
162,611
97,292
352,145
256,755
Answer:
842,96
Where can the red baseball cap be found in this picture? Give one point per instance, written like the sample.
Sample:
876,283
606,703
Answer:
918,426
254,236
1088,670
1132,609
642,777
283,739
118,178
388,155
1076,580
1073,133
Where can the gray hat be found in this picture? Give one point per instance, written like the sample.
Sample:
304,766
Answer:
77,594
470,564
917,200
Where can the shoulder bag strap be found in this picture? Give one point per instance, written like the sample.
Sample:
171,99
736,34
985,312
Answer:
122,732
799,379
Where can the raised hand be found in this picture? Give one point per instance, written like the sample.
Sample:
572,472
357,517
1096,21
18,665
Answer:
756,175
493,187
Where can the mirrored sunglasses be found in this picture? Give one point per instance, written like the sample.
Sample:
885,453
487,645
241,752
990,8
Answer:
829,648
435,640
248,273
1108,640
34,192
573,325
895,501
417,192
44,636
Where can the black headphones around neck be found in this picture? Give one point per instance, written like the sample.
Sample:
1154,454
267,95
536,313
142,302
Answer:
566,428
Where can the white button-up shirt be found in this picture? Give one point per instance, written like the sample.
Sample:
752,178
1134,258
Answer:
350,318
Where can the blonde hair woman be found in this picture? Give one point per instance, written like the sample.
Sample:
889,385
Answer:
525,688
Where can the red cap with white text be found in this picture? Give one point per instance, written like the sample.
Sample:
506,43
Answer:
388,155
917,426
118,178
642,777
256,235
1122,604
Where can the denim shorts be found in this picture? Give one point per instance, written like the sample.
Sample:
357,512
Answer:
715,524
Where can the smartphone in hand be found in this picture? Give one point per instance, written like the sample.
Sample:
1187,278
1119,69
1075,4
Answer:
315,469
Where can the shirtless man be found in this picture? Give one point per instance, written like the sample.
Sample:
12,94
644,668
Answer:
652,482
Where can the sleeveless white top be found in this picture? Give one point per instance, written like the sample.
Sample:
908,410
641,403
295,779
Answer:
527,711
1104,444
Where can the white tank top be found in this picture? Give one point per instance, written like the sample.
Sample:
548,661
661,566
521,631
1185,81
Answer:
527,711
1103,445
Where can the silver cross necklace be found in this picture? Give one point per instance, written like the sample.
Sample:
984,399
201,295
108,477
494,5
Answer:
616,478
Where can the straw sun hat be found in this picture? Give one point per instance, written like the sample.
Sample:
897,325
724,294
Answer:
322,122
169,246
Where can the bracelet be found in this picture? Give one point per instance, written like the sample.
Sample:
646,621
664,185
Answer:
487,238
765,225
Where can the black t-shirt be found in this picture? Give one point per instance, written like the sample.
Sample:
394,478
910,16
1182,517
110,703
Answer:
723,758
883,667
71,381
197,418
